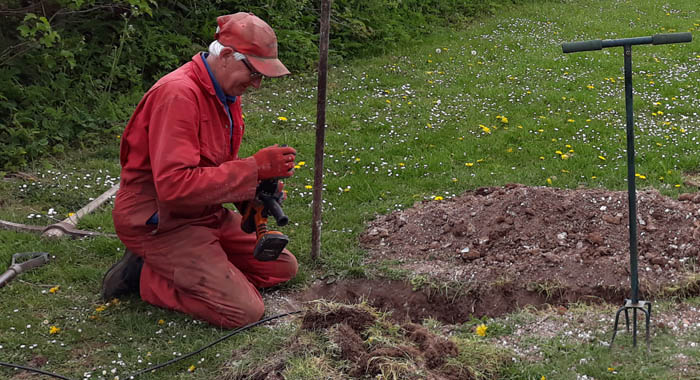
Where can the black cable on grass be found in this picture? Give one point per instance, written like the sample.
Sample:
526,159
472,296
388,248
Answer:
37,370
157,366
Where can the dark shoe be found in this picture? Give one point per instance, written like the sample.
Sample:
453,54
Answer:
123,277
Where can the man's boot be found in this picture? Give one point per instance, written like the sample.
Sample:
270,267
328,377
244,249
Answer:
123,277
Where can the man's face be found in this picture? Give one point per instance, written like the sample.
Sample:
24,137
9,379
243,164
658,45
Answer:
235,76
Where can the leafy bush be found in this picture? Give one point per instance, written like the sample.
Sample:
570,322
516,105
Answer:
73,70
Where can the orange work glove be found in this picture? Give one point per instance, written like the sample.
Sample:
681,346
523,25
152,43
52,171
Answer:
275,162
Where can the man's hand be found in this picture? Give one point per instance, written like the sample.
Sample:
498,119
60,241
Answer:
275,162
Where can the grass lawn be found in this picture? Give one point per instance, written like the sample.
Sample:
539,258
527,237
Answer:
486,104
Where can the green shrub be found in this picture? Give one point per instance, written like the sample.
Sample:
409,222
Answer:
73,70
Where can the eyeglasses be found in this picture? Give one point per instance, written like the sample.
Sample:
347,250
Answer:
253,74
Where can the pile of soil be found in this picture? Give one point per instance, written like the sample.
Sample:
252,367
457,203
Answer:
572,241
493,250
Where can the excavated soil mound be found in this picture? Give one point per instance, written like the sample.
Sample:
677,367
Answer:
493,250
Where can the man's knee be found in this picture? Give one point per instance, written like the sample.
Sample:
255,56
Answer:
288,265
242,313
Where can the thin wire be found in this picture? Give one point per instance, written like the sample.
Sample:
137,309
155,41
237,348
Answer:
30,369
157,366
232,333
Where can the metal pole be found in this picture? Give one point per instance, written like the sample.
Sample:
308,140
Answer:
632,192
320,129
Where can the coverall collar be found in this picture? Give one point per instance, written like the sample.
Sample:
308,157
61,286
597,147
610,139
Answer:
225,99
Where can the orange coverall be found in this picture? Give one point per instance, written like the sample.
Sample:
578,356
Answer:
179,158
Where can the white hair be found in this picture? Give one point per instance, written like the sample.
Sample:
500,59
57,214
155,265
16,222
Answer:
216,46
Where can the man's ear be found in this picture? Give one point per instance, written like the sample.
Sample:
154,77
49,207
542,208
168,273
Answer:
226,52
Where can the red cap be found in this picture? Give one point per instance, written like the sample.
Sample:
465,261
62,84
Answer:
251,36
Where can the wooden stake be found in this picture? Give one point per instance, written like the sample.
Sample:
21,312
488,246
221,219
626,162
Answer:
320,129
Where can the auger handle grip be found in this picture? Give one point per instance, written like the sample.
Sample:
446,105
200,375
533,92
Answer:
671,38
572,47
272,206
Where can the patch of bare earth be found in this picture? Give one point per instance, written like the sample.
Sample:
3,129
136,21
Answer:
493,250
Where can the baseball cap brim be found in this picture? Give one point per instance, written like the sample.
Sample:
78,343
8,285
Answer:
269,67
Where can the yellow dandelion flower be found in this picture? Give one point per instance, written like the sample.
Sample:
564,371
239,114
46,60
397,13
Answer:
469,164
481,330
54,289
301,163
543,377
485,128
161,322
70,214
571,120
540,130
308,187
357,159
593,177
504,120
100,308
542,158
281,118
388,101
559,152
438,198
564,156
191,368
54,330
602,158
480,160
611,369
590,87
402,164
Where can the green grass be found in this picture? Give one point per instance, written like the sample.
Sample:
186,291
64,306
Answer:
402,128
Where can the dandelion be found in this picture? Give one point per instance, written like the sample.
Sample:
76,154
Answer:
601,158
54,330
357,159
100,308
590,87
543,377
54,289
564,156
677,185
559,152
481,330
388,101
571,120
542,158
611,369
301,163
469,164
308,187
438,198
191,368
549,181
161,322
281,118
485,128
504,120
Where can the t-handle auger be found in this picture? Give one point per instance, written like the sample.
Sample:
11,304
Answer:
658,39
